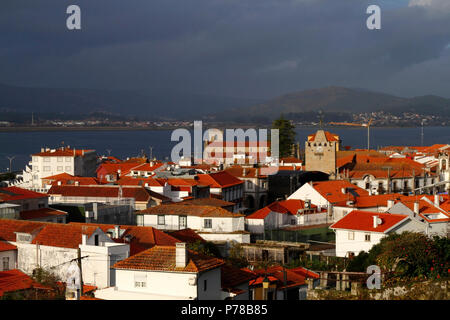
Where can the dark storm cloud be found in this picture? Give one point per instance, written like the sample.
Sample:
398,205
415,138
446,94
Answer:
254,48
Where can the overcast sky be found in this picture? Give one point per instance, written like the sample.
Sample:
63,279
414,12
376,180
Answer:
242,48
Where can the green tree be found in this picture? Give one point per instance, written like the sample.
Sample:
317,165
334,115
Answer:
206,248
286,135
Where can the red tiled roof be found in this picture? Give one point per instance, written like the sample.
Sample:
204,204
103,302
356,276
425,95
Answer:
192,210
186,235
332,190
363,221
62,235
232,276
41,213
142,238
15,280
4,246
305,272
138,181
329,136
220,179
16,193
375,200
138,193
277,274
290,206
9,227
162,258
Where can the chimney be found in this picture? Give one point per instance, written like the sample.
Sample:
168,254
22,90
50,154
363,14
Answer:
77,183
181,255
376,221
436,200
390,204
74,152
116,232
344,190
256,173
416,208
84,238
243,172
42,149
59,183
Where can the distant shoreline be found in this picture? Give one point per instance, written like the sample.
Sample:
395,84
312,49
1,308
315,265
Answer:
221,126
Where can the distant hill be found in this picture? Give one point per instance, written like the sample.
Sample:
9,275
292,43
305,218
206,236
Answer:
337,101
338,104
145,105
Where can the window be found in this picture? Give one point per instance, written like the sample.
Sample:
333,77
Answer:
59,168
205,285
140,280
140,284
367,236
5,263
41,205
249,185
96,239
68,159
46,159
208,223
351,235
161,220
68,168
46,169
183,222
60,159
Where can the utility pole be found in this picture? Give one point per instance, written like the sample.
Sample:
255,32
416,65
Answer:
10,162
81,271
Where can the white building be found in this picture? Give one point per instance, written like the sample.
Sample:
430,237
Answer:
166,273
8,256
329,194
51,162
54,246
361,230
284,214
211,223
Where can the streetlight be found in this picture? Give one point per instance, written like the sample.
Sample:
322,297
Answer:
10,162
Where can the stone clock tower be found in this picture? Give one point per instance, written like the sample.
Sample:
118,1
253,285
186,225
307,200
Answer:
320,152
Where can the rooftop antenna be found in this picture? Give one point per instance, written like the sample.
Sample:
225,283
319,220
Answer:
151,152
109,152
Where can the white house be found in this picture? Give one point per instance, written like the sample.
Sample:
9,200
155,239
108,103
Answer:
284,213
429,217
211,223
166,273
54,246
361,230
328,194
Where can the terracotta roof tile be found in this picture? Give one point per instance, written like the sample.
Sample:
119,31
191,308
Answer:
4,246
15,280
162,258
363,221
16,193
41,213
